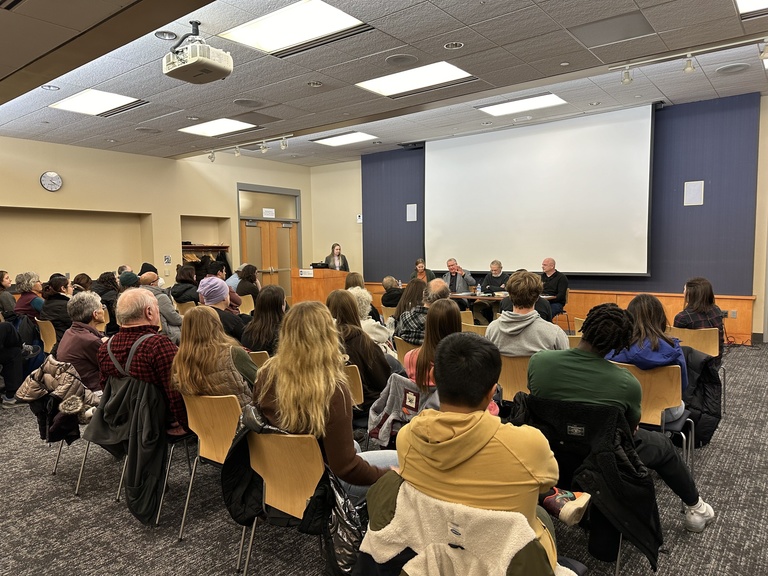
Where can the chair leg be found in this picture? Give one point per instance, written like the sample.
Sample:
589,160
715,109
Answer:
189,493
122,477
82,466
189,460
618,558
165,484
58,455
722,391
240,552
250,546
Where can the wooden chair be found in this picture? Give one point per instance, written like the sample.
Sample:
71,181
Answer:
662,389
564,313
473,328
259,357
573,340
184,307
706,340
214,419
577,324
246,306
514,376
386,312
290,466
402,348
355,384
47,334
466,317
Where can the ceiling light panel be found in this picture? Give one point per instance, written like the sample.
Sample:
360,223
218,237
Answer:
747,6
92,102
290,26
414,79
217,127
343,139
533,103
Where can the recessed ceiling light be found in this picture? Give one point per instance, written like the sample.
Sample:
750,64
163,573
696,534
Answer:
453,45
486,123
401,60
50,87
193,117
247,102
217,127
314,83
147,130
290,26
111,141
414,79
346,138
522,118
747,6
594,103
564,64
166,35
92,102
734,68
638,95
376,142
515,106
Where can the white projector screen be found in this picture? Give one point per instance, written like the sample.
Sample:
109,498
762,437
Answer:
576,190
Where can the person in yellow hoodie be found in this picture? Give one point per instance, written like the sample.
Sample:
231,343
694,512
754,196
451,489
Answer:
463,454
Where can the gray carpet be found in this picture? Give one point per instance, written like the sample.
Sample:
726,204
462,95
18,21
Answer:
45,529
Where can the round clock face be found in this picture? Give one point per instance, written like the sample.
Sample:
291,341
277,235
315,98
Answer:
51,181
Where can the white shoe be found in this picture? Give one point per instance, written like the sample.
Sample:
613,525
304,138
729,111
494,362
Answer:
699,516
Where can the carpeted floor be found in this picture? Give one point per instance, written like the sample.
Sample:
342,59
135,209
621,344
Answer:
46,529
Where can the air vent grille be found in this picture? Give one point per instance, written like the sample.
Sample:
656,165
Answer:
299,48
121,109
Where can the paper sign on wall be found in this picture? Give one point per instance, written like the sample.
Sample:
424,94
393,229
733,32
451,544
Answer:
268,212
410,212
694,193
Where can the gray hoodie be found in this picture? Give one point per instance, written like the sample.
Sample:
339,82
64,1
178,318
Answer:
525,334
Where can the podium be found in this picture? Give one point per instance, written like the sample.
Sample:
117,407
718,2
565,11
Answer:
317,287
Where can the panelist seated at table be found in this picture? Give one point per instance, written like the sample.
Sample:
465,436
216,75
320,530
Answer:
541,305
421,271
458,281
555,286
495,280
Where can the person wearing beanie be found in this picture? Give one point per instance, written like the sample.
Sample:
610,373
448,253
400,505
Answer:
169,317
128,280
215,293
147,267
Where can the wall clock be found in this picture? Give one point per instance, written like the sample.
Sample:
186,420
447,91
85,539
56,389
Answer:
51,181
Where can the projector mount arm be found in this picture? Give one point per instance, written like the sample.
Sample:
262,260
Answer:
194,34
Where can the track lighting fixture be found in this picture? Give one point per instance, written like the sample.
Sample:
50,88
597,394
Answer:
212,156
764,51
237,151
264,148
283,143
626,78
689,67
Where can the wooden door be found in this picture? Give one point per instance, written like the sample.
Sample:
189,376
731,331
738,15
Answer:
273,247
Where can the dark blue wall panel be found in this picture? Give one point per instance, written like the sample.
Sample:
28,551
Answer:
715,141
392,180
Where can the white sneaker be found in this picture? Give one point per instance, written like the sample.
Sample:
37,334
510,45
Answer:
699,516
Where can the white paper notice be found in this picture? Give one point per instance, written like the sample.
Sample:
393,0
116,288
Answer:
410,212
267,212
694,193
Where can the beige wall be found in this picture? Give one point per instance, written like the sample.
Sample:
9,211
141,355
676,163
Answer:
760,279
337,199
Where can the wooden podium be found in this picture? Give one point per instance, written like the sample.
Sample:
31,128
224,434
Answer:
318,286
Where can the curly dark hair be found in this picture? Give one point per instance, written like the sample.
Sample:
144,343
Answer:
607,327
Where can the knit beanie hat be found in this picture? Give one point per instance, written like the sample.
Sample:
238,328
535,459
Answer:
128,279
213,289
147,267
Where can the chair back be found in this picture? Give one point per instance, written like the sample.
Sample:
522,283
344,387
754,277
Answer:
355,384
184,307
662,389
259,357
514,376
246,306
706,340
291,465
402,348
47,334
473,328
214,419
577,324
573,340
386,312
466,317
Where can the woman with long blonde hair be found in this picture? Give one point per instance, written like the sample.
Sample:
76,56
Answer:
303,389
209,362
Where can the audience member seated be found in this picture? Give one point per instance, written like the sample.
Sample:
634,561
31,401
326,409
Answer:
555,286
81,342
209,362
376,330
303,389
261,333
700,309
129,280
463,454
356,279
12,353
81,283
217,270
458,281
185,289
392,292
582,374
169,316
214,292
249,283
55,305
123,268
7,301
522,331
29,302
421,272
650,346
413,295
410,324
108,288
234,280
138,314
362,351
336,260
541,306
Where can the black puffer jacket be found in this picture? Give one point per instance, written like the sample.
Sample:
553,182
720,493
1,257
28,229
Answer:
703,395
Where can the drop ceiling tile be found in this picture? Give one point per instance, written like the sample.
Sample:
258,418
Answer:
419,21
512,75
546,46
578,60
140,82
95,72
215,18
568,13
445,93
701,33
260,8
483,62
683,13
297,87
519,25
369,11
755,25
320,57
473,12
473,43
371,42
333,99
630,49
17,29
375,65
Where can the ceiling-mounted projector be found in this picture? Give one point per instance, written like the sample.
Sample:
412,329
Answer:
197,62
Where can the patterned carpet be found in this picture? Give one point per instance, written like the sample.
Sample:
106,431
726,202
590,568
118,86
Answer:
46,529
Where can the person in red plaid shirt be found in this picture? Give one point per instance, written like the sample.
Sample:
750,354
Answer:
138,314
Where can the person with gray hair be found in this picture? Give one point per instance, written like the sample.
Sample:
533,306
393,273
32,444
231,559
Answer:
29,302
81,342
375,330
392,292
169,317
410,326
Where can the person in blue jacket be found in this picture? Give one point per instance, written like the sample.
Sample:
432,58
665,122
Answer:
651,347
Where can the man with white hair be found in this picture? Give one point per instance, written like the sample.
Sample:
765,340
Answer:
555,286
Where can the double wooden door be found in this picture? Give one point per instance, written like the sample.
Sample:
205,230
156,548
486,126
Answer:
273,247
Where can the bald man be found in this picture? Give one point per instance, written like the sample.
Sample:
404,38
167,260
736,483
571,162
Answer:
555,286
